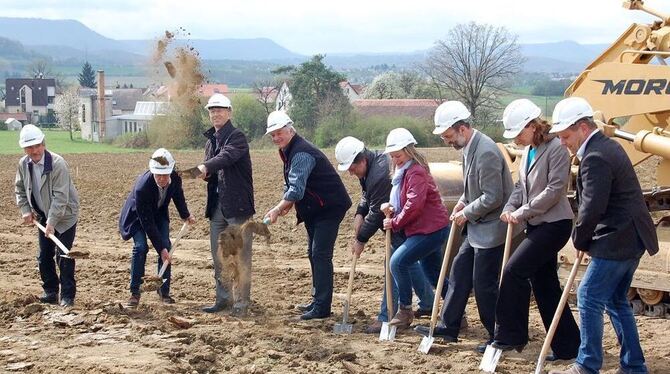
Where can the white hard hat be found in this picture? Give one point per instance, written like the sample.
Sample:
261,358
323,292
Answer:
277,120
346,151
161,162
517,115
30,135
398,139
448,113
218,101
568,111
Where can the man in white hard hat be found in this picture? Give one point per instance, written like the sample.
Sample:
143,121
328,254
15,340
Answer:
145,214
45,193
614,227
372,170
487,186
230,197
320,199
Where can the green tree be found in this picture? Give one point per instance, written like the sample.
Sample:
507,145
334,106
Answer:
316,94
249,115
87,76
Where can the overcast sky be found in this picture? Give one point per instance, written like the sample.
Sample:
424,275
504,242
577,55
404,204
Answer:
315,26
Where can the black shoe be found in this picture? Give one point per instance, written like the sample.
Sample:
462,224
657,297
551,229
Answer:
551,357
440,332
422,313
49,298
507,347
482,347
66,302
305,307
215,308
314,314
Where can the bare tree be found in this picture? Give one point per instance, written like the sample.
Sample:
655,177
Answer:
266,92
66,107
474,64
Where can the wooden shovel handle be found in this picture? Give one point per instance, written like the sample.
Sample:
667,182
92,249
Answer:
389,290
557,314
443,274
352,271
53,238
174,245
508,249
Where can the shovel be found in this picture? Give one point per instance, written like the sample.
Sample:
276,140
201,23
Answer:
492,355
557,314
345,327
427,341
388,332
153,282
72,254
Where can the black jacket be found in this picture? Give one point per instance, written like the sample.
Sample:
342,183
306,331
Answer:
613,221
141,210
325,195
376,187
230,182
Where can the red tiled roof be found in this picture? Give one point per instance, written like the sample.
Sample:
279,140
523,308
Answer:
17,116
208,90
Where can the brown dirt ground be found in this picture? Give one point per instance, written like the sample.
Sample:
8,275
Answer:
100,335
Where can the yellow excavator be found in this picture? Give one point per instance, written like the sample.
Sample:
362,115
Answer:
628,86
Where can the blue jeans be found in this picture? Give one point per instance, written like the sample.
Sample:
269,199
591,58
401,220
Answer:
427,250
139,259
420,284
604,288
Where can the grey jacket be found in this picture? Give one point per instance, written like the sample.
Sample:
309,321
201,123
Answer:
540,194
376,187
487,186
59,197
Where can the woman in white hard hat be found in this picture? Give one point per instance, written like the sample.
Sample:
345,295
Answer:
145,214
419,212
539,201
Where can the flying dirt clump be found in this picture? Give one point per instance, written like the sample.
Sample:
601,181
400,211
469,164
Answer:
229,253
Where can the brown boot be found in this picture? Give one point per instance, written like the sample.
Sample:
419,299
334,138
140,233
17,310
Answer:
374,327
403,318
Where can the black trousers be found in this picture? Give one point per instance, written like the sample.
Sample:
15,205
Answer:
533,264
322,233
47,265
478,268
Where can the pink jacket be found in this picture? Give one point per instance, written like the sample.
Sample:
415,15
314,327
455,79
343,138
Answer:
422,210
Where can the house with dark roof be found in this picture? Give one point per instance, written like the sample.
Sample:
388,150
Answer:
352,91
33,96
415,108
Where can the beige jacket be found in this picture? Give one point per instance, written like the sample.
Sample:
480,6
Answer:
59,196
540,194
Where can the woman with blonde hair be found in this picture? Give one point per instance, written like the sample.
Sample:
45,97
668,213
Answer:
419,213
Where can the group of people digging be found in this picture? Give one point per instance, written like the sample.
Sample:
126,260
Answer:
612,225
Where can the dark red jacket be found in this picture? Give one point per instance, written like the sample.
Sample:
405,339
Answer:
422,210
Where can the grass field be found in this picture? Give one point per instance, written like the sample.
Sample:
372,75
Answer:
59,142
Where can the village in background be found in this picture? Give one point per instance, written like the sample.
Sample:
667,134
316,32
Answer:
116,92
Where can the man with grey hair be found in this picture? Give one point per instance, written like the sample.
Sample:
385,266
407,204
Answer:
230,196
45,194
315,189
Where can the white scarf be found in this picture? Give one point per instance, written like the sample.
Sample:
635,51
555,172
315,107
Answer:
396,182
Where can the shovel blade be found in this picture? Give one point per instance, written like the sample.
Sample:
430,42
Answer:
490,359
387,332
426,343
343,328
